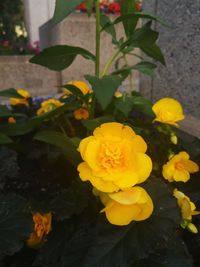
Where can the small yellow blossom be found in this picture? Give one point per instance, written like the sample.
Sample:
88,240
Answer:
42,227
81,114
179,167
49,105
20,101
188,209
11,120
114,158
118,94
81,85
132,204
168,110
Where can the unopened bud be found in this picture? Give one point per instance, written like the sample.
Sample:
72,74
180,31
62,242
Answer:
192,228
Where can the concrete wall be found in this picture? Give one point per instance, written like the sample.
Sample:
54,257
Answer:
181,46
17,72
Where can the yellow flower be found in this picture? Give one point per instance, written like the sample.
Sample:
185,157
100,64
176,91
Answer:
20,101
81,114
49,105
11,120
42,227
168,110
188,208
81,85
114,158
118,94
179,167
132,204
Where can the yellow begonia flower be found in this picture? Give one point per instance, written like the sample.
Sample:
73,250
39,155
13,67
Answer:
168,110
20,101
133,204
81,114
114,158
81,85
49,105
179,167
11,120
42,227
188,209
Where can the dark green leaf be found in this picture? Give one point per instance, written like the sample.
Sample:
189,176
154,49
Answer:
127,7
11,92
60,57
145,68
15,129
143,105
73,89
15,223
104,88
175,255
63,142
70,201
89,6
105,20
94,123
119,246
145,38
4,139
64,8
5,112
124,104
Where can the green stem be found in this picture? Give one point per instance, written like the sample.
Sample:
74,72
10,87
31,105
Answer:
109,63
98,41
130,76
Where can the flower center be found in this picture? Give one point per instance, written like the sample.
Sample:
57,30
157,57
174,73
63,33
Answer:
111,155
179,166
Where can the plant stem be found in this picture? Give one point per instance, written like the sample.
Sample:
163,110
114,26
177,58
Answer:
130,76
98,41
109,63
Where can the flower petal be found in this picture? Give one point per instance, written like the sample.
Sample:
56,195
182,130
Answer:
128,196
144,167
119,214
84,171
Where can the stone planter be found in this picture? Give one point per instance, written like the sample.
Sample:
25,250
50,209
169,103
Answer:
17,72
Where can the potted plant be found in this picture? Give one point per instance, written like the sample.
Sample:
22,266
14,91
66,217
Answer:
98,177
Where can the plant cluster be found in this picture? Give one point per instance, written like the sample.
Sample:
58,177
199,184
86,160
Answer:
98,177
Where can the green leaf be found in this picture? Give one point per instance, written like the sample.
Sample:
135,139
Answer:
70,201
73,89
63,142
89,5
143,105
5,112
64,8
105,20
124,104
94,123
15,223
11,92
4,139
175,255
145,38
15,129
119,246
127,7
104,88
60,57
145,68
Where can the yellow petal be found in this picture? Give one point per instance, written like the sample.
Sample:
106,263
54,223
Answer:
83,144
119,214
128,179
138,144
100,184
185,208
146,210
144,167
109,129
33,240
84,171
168,171
91,154
128,196
181,176
191,166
